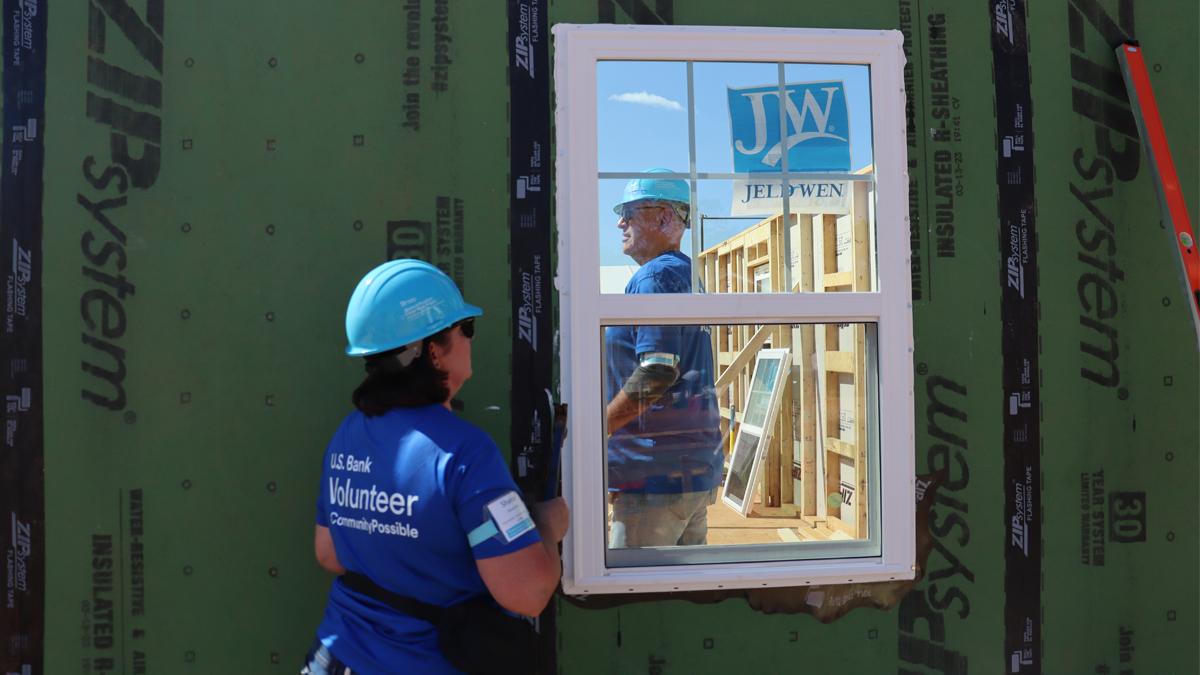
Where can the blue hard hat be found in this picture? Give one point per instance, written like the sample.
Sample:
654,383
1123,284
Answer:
663,189
400,302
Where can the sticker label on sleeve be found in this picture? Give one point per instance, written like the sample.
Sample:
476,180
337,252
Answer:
510,515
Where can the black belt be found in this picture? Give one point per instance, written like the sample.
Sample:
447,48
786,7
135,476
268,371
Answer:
410,606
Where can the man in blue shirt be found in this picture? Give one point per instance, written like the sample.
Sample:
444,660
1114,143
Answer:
664,445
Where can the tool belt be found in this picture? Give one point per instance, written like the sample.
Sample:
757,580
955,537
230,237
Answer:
475,636
671,482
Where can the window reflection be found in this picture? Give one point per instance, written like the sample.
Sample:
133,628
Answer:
664,431
645,242
738,434
718,133
641,115
826,245
732,148
736,178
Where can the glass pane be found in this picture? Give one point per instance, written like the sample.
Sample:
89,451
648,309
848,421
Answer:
645,243
835,110
827,245
641,115
741,466
725,210
761,389
834,104
739,442
718,89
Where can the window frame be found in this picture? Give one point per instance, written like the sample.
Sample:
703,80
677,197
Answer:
584,310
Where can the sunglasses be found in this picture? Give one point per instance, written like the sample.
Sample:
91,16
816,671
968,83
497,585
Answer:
630,210
467,326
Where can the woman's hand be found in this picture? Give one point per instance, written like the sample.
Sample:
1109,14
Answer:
553,517
326,554
524,581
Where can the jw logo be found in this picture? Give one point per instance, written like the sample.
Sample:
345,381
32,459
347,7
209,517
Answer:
817,124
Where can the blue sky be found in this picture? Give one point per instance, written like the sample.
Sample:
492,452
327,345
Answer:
643,123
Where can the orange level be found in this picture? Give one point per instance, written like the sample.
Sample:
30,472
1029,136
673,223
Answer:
1170,194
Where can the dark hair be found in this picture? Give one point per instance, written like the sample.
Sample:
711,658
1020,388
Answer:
389,385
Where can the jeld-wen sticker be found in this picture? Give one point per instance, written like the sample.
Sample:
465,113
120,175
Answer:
510,516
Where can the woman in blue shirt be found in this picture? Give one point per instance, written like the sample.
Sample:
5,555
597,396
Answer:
412,497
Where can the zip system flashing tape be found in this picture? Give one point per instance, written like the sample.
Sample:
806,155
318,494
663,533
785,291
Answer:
22,456
1023,650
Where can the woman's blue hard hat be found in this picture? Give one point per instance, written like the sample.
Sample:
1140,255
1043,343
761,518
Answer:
400,302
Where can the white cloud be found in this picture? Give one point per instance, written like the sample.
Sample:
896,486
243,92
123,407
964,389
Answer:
646,98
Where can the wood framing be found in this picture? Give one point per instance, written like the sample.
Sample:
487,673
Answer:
817,459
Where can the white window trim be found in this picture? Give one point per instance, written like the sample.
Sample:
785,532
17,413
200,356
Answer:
584,309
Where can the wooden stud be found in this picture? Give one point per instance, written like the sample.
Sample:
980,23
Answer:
808,393
862,282
833,404
772,478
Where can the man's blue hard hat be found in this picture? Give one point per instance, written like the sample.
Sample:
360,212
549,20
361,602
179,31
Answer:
661,189
400,302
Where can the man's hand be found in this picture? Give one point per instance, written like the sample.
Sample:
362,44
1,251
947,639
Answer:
622,410
646,385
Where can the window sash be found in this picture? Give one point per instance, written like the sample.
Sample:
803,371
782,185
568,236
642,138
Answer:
712,308
585,310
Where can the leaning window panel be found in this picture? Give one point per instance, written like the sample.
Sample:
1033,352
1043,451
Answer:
739,442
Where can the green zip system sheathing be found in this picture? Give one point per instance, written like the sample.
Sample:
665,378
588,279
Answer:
192,378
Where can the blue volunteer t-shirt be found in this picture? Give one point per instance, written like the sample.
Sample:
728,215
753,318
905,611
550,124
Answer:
675,446
399,494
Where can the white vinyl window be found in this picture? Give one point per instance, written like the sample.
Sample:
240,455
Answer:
741,395
754,433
